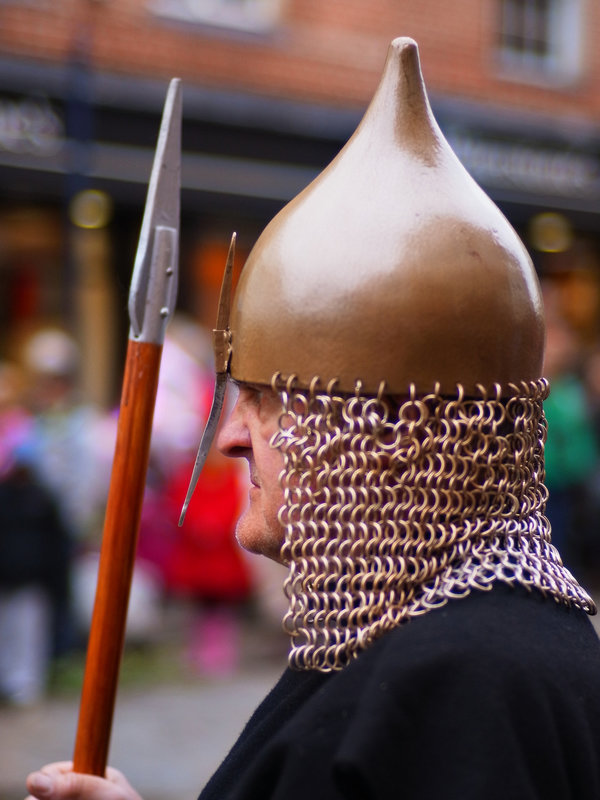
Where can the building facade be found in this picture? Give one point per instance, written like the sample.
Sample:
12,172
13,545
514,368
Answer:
272,89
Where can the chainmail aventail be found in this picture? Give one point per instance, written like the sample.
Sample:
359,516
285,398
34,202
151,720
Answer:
392,508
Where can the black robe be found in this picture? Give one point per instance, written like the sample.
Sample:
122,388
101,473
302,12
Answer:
496,695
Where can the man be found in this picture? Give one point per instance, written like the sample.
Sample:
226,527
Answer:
387,338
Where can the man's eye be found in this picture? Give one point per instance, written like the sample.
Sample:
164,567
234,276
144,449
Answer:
250,394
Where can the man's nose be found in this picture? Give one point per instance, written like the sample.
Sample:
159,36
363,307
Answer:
234,436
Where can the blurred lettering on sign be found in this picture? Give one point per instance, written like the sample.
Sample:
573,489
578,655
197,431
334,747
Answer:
531,168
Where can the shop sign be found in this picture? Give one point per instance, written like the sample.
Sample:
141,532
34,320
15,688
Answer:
529,168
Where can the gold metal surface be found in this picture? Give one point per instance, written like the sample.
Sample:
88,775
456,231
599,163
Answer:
393,507
392,265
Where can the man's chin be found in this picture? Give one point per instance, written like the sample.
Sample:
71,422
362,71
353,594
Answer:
254,539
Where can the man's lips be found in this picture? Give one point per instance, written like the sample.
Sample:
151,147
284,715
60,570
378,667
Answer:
254,481
253,474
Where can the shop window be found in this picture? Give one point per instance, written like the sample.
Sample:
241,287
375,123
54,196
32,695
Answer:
540,40
256,16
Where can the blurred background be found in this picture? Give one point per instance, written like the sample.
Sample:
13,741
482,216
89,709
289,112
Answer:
271,90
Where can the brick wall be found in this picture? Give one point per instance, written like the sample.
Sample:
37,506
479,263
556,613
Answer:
321,51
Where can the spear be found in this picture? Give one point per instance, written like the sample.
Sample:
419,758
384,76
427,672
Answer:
151,303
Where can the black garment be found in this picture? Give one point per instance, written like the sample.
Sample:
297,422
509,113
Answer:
34,543
494,696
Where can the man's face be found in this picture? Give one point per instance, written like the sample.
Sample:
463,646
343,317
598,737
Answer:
247,434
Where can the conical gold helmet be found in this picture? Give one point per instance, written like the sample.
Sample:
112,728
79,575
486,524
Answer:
392,266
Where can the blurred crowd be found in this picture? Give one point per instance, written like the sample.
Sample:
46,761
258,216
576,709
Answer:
572,365
55,461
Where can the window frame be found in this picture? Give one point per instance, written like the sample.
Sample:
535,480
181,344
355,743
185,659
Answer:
554,58
250,16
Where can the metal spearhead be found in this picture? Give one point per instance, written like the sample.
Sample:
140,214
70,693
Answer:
153,289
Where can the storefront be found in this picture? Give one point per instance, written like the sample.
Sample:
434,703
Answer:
64,131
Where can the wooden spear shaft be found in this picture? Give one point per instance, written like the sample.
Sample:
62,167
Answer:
122,520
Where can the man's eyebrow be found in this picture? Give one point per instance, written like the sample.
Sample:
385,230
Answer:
255,387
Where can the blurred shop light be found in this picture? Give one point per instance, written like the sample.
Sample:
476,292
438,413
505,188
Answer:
90,208
550,232
31,232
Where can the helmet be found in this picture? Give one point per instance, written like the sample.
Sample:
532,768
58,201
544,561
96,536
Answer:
399,317
391,267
